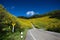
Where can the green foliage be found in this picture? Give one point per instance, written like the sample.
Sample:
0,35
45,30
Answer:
6,18
55,14
7,21
10,36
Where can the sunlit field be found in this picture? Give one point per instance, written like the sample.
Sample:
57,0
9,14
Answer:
25,23
51,24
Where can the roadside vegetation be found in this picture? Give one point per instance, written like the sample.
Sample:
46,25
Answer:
49,21
11,26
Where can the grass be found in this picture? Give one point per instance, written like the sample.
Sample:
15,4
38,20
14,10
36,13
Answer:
24,23
12,36
50,24
6,34
24,34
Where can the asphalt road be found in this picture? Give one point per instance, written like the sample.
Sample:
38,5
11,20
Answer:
36,34
40,34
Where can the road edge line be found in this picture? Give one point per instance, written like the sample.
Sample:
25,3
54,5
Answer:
32,36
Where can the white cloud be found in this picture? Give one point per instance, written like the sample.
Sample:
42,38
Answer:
30,13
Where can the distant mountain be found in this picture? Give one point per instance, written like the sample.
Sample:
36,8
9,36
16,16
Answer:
23,17
52,14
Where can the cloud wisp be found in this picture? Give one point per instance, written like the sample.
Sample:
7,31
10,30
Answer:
30,13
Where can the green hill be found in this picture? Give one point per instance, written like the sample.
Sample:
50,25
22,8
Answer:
50,21
8,22
6,18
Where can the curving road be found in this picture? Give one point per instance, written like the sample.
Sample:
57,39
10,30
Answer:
39,34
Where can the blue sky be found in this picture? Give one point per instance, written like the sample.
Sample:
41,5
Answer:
21,7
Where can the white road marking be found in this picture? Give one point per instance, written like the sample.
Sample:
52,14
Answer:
32,36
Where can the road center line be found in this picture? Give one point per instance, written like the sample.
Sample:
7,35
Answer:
32,35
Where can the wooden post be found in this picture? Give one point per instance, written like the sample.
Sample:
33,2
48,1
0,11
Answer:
13,24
